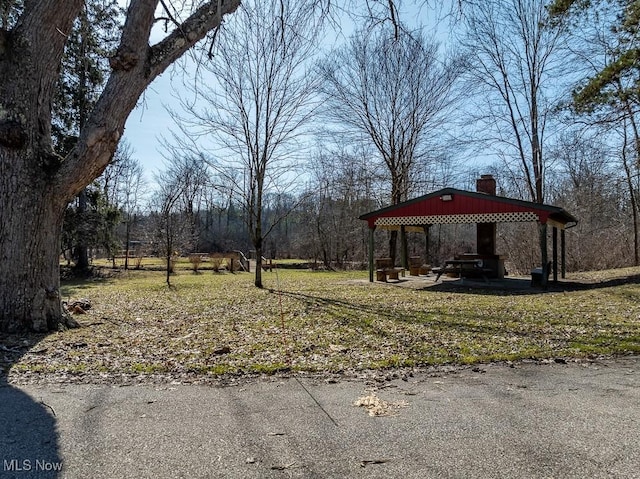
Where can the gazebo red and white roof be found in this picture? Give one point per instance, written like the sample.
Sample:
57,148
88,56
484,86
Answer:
453,206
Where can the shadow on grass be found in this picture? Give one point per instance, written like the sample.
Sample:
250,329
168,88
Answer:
620,281
29,441
462,328
519,286
346,312
75,287
366,316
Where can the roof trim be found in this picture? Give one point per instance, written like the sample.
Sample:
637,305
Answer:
555,213
515,217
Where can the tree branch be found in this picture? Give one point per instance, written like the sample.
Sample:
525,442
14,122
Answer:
203,20
135,35
169,17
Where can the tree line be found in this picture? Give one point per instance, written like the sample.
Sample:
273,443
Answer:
196,211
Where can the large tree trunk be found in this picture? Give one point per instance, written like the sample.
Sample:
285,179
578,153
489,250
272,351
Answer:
29,252
393,246
396,198
31,206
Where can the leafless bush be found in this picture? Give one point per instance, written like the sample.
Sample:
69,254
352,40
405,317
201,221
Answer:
195,260
216,263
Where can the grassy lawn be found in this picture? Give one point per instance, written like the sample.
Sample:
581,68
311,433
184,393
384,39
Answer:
212,324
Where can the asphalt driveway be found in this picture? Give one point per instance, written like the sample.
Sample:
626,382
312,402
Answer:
528,420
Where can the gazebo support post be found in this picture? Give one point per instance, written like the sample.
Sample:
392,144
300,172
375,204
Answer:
554,238
563,254
427,257
544,255
404,261
371,248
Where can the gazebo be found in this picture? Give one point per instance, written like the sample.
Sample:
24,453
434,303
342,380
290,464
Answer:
482,207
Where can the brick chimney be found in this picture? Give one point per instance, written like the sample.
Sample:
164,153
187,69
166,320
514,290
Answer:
486,232
486,184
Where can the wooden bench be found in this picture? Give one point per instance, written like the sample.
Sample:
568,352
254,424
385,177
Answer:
389,273
385,270
425,269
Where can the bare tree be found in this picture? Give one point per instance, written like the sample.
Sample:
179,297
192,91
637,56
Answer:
123,182
514,66
592,185
394,90
110,187
342,186
180,185
192,173
260,101
168,221
605,99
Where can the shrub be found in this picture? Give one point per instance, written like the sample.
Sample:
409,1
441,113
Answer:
195,260
216,263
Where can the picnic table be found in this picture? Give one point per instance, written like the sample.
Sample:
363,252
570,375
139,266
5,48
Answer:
462,267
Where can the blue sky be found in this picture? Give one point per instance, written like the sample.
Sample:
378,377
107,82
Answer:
150,119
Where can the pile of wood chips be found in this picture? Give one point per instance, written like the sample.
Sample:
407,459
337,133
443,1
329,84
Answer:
379,407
